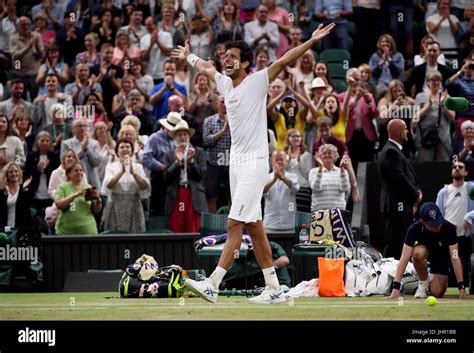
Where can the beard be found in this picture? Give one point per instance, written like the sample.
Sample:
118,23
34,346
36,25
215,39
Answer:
234,75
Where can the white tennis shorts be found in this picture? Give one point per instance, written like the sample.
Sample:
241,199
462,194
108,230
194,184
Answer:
247,180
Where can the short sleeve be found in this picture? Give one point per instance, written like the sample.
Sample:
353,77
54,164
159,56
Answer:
144,194
109,174
410,237
451,234
420,99
222,82
60,192
277,250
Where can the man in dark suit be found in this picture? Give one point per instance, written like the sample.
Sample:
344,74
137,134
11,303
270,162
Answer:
184,174
399,193
418,75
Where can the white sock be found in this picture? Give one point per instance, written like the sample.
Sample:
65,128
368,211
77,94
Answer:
425,282
271,278
217,276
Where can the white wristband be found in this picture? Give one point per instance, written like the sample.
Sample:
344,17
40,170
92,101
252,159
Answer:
193,59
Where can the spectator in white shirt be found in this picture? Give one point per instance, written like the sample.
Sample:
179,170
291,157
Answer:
87,150
262,32
456,206
330,184
300,163
443,26
11,148
280,194
421,58
155,48
200,37
42,104
7,107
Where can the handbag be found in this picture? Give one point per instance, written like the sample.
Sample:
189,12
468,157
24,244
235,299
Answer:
430,136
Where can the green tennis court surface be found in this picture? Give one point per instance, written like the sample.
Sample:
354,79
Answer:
96,306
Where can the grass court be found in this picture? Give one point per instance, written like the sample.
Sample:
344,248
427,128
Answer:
99,306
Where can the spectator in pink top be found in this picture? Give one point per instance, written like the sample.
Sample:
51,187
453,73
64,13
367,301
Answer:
123,49
360,132
280,16
41,26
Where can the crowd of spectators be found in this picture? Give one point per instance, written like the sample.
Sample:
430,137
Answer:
100,129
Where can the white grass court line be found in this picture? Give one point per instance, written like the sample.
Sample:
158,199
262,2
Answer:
217,307
193,302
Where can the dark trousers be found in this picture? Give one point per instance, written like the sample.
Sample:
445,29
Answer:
361,149
40,206
396,226
158,194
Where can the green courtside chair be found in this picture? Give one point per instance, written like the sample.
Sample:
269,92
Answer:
335,55
341,85
157,224
337,70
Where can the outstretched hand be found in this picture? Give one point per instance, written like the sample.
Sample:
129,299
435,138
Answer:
322,32
181,52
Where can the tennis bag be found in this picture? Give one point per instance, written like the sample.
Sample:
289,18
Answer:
332,224
145,280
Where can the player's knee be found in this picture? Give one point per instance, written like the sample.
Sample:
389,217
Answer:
419,253
437,292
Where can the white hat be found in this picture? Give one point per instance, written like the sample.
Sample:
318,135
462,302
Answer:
172,119
467,124
318,82
182,125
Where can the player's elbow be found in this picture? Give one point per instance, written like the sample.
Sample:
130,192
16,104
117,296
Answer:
283,261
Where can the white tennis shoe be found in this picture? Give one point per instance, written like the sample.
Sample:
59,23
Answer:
205,289
422,291
269,296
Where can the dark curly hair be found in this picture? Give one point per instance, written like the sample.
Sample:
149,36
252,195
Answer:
245,52
119,142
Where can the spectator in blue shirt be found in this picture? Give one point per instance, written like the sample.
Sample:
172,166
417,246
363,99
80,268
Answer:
54,12
161,92
336,11
386,63
153,158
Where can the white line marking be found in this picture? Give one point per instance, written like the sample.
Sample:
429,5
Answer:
217,306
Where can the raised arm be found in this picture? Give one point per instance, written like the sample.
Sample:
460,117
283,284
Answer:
199,64
295,53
